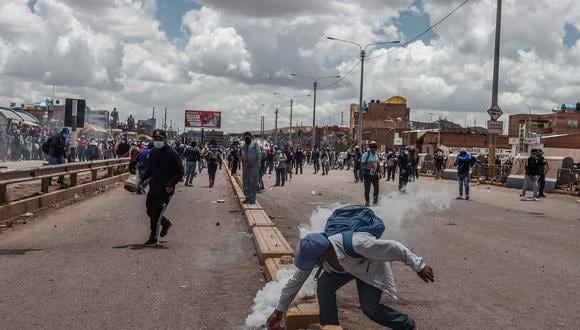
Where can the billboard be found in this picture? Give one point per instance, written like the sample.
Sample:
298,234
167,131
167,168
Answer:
203,119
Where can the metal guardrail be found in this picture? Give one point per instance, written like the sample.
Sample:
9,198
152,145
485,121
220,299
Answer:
46,173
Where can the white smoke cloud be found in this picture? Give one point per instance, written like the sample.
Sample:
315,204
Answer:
266,299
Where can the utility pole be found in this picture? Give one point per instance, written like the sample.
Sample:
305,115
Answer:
276,127
165,120
314,117
291,104
494,93
153,119
360,100
342,118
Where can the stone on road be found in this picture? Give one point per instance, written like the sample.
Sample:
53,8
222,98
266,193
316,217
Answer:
82,266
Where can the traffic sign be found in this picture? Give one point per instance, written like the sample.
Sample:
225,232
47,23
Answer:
495,112
494,127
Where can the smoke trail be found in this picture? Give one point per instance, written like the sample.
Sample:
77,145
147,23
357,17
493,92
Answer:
394,208
267,298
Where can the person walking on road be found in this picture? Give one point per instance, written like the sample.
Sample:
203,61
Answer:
289,160
439,159
370,163
142,164
270,159
357,168
299,159
316,160
337,267
251,159
234,157
214,159
533,170
280,162
543,170
55,148
391,166
464,162
263,169
192,156
324,160
404,162
165,170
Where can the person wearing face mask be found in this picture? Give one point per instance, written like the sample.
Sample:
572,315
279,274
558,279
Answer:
165,170
251,157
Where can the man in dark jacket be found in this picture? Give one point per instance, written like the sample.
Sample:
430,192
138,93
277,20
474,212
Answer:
533,169
124,148
299,158
357,168
165,170
214,159
57,150
543,169
404,163
316,160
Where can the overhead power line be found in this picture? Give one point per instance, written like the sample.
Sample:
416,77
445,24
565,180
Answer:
392,50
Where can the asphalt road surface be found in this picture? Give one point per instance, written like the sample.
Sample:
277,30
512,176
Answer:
499,263
81,267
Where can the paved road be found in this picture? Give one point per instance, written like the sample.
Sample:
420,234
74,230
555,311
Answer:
499,263
76,268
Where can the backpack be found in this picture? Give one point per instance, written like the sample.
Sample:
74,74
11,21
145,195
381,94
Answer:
353,219
212,156
46,146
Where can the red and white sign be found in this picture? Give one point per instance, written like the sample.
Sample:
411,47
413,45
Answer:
203,119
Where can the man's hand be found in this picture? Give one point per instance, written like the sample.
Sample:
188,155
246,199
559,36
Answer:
426,274
276,317
169,189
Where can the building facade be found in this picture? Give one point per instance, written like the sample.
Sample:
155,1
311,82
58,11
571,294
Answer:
382,121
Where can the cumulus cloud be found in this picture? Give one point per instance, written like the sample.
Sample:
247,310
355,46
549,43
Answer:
234,54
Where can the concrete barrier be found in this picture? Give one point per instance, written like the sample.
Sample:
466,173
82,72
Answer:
258,218
33,204
270,243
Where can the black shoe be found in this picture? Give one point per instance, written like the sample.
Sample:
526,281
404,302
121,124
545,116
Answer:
466,198
543,196
165,229
375,201
249,202
151,241
367,203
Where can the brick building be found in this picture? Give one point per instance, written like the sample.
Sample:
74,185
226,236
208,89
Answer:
426,141
553,123
381,121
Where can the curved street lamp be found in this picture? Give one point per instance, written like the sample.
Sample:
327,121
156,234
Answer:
362,64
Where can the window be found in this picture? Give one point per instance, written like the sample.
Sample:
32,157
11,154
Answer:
573,123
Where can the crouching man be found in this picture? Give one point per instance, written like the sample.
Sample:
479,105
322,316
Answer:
370,269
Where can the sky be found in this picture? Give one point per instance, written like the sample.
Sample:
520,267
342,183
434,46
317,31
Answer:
230,56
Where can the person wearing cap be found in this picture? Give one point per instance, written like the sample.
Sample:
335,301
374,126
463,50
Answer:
251,158
370,164
165,170
372,272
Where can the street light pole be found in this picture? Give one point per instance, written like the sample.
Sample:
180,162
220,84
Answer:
362,65
276,128
315,87
495,88
360,99
314,116
291,109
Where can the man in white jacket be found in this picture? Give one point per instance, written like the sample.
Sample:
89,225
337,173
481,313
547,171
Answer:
372,273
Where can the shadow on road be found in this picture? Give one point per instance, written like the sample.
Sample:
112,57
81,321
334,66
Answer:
15,252
141,246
